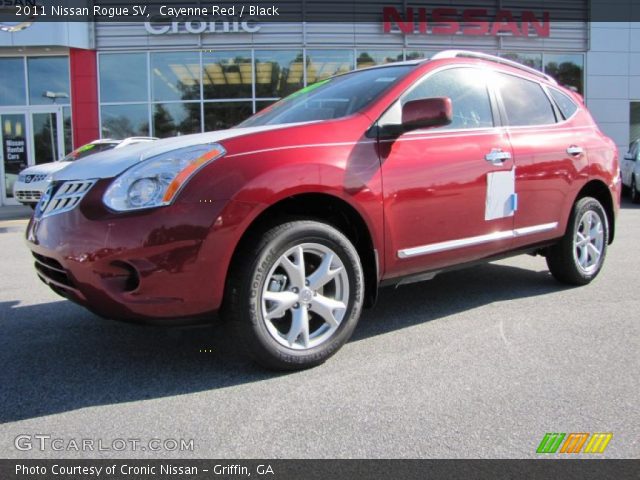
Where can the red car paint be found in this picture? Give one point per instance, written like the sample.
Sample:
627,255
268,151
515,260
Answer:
422,188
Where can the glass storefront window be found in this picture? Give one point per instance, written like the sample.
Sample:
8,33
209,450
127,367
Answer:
221,115
325,63
48,80
45,137
567,69
122,121
533,60
123,77
227,74
12,84
175,76
262,104
14,148
417,54
371,58
174,119
67,130
634,116
278,72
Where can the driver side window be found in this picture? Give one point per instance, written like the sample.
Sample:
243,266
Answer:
467,89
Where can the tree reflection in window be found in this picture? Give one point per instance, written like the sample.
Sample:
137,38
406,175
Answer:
566,69
278,72
175,119
378,57
122,121
227,74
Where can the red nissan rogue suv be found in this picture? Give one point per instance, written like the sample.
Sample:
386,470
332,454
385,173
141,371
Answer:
289,223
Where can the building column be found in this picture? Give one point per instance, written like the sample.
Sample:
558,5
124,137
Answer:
84,96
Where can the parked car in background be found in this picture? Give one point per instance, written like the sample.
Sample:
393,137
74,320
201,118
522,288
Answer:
33,181
630,170
289,223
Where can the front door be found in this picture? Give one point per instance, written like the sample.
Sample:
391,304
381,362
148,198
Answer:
28,137
438,183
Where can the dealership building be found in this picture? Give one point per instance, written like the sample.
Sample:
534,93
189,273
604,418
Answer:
67,83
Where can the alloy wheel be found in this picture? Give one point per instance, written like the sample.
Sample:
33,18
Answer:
589,242
305,296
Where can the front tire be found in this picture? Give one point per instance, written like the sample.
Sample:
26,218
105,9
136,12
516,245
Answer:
578,257
295,294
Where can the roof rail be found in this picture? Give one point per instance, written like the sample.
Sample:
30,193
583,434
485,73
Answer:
491,58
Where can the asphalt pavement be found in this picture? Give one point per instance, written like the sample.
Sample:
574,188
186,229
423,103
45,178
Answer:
475,363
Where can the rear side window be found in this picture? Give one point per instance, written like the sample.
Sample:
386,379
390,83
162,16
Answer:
565,104
467,90
525,102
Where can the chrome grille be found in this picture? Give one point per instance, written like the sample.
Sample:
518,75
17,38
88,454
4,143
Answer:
28,195
66,197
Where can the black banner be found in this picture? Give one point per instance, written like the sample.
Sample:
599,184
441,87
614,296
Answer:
17,14
319,469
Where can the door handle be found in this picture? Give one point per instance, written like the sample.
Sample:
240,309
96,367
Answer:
496,156
574,150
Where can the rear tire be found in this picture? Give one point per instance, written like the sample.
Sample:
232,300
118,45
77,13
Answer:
578,257
295,294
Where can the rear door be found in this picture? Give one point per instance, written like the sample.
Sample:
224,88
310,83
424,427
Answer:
549,153
435,180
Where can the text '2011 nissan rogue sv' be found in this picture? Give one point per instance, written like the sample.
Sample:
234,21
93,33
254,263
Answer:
289,223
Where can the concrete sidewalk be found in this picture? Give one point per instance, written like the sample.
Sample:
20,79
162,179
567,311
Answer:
15,212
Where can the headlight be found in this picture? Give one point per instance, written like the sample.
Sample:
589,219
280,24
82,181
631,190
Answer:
156,181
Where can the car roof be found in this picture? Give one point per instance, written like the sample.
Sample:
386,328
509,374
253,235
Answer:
469,54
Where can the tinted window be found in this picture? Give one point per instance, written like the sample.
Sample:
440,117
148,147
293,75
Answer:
12,81
322,64
48,80
565,104
371,58
567,69
227,74
123,77
467,90
278,72
525,102
175,76
174,119
122,121
221,115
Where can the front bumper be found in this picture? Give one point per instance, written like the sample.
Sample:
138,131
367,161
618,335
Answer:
163,265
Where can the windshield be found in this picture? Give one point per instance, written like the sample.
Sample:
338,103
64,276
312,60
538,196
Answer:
88,149
332,98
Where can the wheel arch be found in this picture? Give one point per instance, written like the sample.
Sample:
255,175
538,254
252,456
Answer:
599,190
330,209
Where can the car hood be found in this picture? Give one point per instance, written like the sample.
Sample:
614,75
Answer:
44,168
110,163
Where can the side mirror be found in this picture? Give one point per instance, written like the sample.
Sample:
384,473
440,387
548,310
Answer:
427,112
